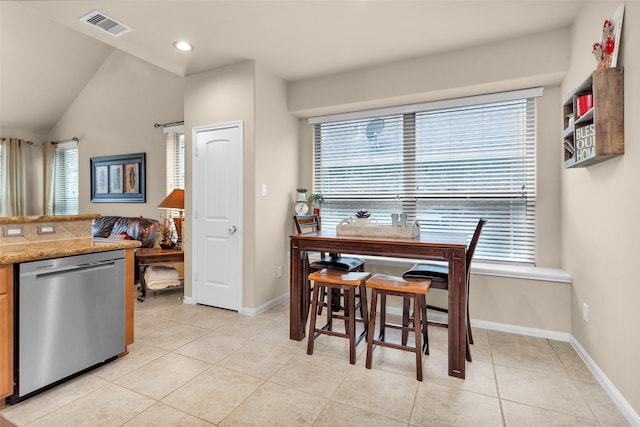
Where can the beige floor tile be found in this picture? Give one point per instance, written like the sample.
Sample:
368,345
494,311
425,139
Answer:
257,359
163,415
572,362
212,347
276,405
319,376
279,334
519,415
138,356
506,337
531,357
171,337
163,375
379,391
601,404
247,326
392,360
479,376
445,406
201,316
337,414
541,390
110,405
146,324
41,404
213,394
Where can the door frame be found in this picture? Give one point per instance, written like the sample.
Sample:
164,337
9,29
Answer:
195,187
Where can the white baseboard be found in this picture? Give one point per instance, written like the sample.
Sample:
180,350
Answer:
622,404
264,307
188,300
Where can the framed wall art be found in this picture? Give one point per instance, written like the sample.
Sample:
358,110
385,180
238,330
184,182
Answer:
118,179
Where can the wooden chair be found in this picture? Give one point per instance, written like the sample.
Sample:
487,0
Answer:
439,275
384,285
309,224
347,283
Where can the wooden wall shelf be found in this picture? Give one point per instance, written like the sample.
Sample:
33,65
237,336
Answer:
597,134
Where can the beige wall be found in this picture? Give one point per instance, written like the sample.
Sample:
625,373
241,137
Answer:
220,96
114,114
276,155
600,212
250,93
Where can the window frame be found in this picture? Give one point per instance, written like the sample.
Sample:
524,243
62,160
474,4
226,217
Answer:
408,200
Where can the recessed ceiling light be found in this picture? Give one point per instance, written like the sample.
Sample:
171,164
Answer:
183,46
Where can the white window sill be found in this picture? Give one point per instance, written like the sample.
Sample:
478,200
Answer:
545,274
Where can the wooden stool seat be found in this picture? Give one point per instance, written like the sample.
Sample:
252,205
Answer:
384,285
347,282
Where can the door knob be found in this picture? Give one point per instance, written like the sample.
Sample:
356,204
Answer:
233,229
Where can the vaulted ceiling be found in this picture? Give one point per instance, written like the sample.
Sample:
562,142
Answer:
47,55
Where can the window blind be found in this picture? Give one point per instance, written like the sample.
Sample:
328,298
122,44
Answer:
445,168
175,161
65,195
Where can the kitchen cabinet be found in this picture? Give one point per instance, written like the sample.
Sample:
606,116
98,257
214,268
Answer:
594,119
6,332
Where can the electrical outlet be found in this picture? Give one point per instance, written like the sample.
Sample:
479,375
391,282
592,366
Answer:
585,312
279,271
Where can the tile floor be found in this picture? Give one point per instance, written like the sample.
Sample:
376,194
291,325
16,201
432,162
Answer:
201,366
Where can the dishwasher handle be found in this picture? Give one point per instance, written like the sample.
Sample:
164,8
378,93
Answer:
52,270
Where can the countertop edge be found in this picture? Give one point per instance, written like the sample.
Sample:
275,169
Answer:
14,255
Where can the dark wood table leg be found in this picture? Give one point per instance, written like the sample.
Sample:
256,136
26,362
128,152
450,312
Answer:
296,295
143,284
457,314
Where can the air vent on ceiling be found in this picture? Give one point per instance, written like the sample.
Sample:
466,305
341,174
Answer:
102,21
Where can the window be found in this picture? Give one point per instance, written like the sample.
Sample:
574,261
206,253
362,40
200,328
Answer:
175,160
65,193
446,164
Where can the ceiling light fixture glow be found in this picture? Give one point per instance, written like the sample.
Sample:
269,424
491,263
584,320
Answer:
183,46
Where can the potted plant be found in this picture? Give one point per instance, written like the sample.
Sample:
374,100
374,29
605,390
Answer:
316,200
362,218
302,194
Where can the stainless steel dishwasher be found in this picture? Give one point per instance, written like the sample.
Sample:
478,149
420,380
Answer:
70,317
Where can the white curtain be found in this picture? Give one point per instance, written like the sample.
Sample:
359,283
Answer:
14,178
49,167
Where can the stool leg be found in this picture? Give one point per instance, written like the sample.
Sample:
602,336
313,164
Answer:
372,326
350,302
425,323
383,315
312,323
417,327
406,310
364,310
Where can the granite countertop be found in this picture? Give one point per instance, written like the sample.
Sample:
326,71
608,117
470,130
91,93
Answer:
23,252
46,218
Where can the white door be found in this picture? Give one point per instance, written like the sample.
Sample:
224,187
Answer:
217,215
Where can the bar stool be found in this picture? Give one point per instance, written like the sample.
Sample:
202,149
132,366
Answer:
391,285
347,282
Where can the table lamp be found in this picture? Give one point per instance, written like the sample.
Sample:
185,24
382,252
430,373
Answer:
175,200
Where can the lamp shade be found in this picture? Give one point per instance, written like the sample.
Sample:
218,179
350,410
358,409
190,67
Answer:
175,200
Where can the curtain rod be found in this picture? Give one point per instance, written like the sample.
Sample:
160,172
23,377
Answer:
162,125
66,140
26,142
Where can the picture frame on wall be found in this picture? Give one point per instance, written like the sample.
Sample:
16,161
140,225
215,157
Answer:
118,179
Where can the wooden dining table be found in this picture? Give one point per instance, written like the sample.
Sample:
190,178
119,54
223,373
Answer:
447,247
